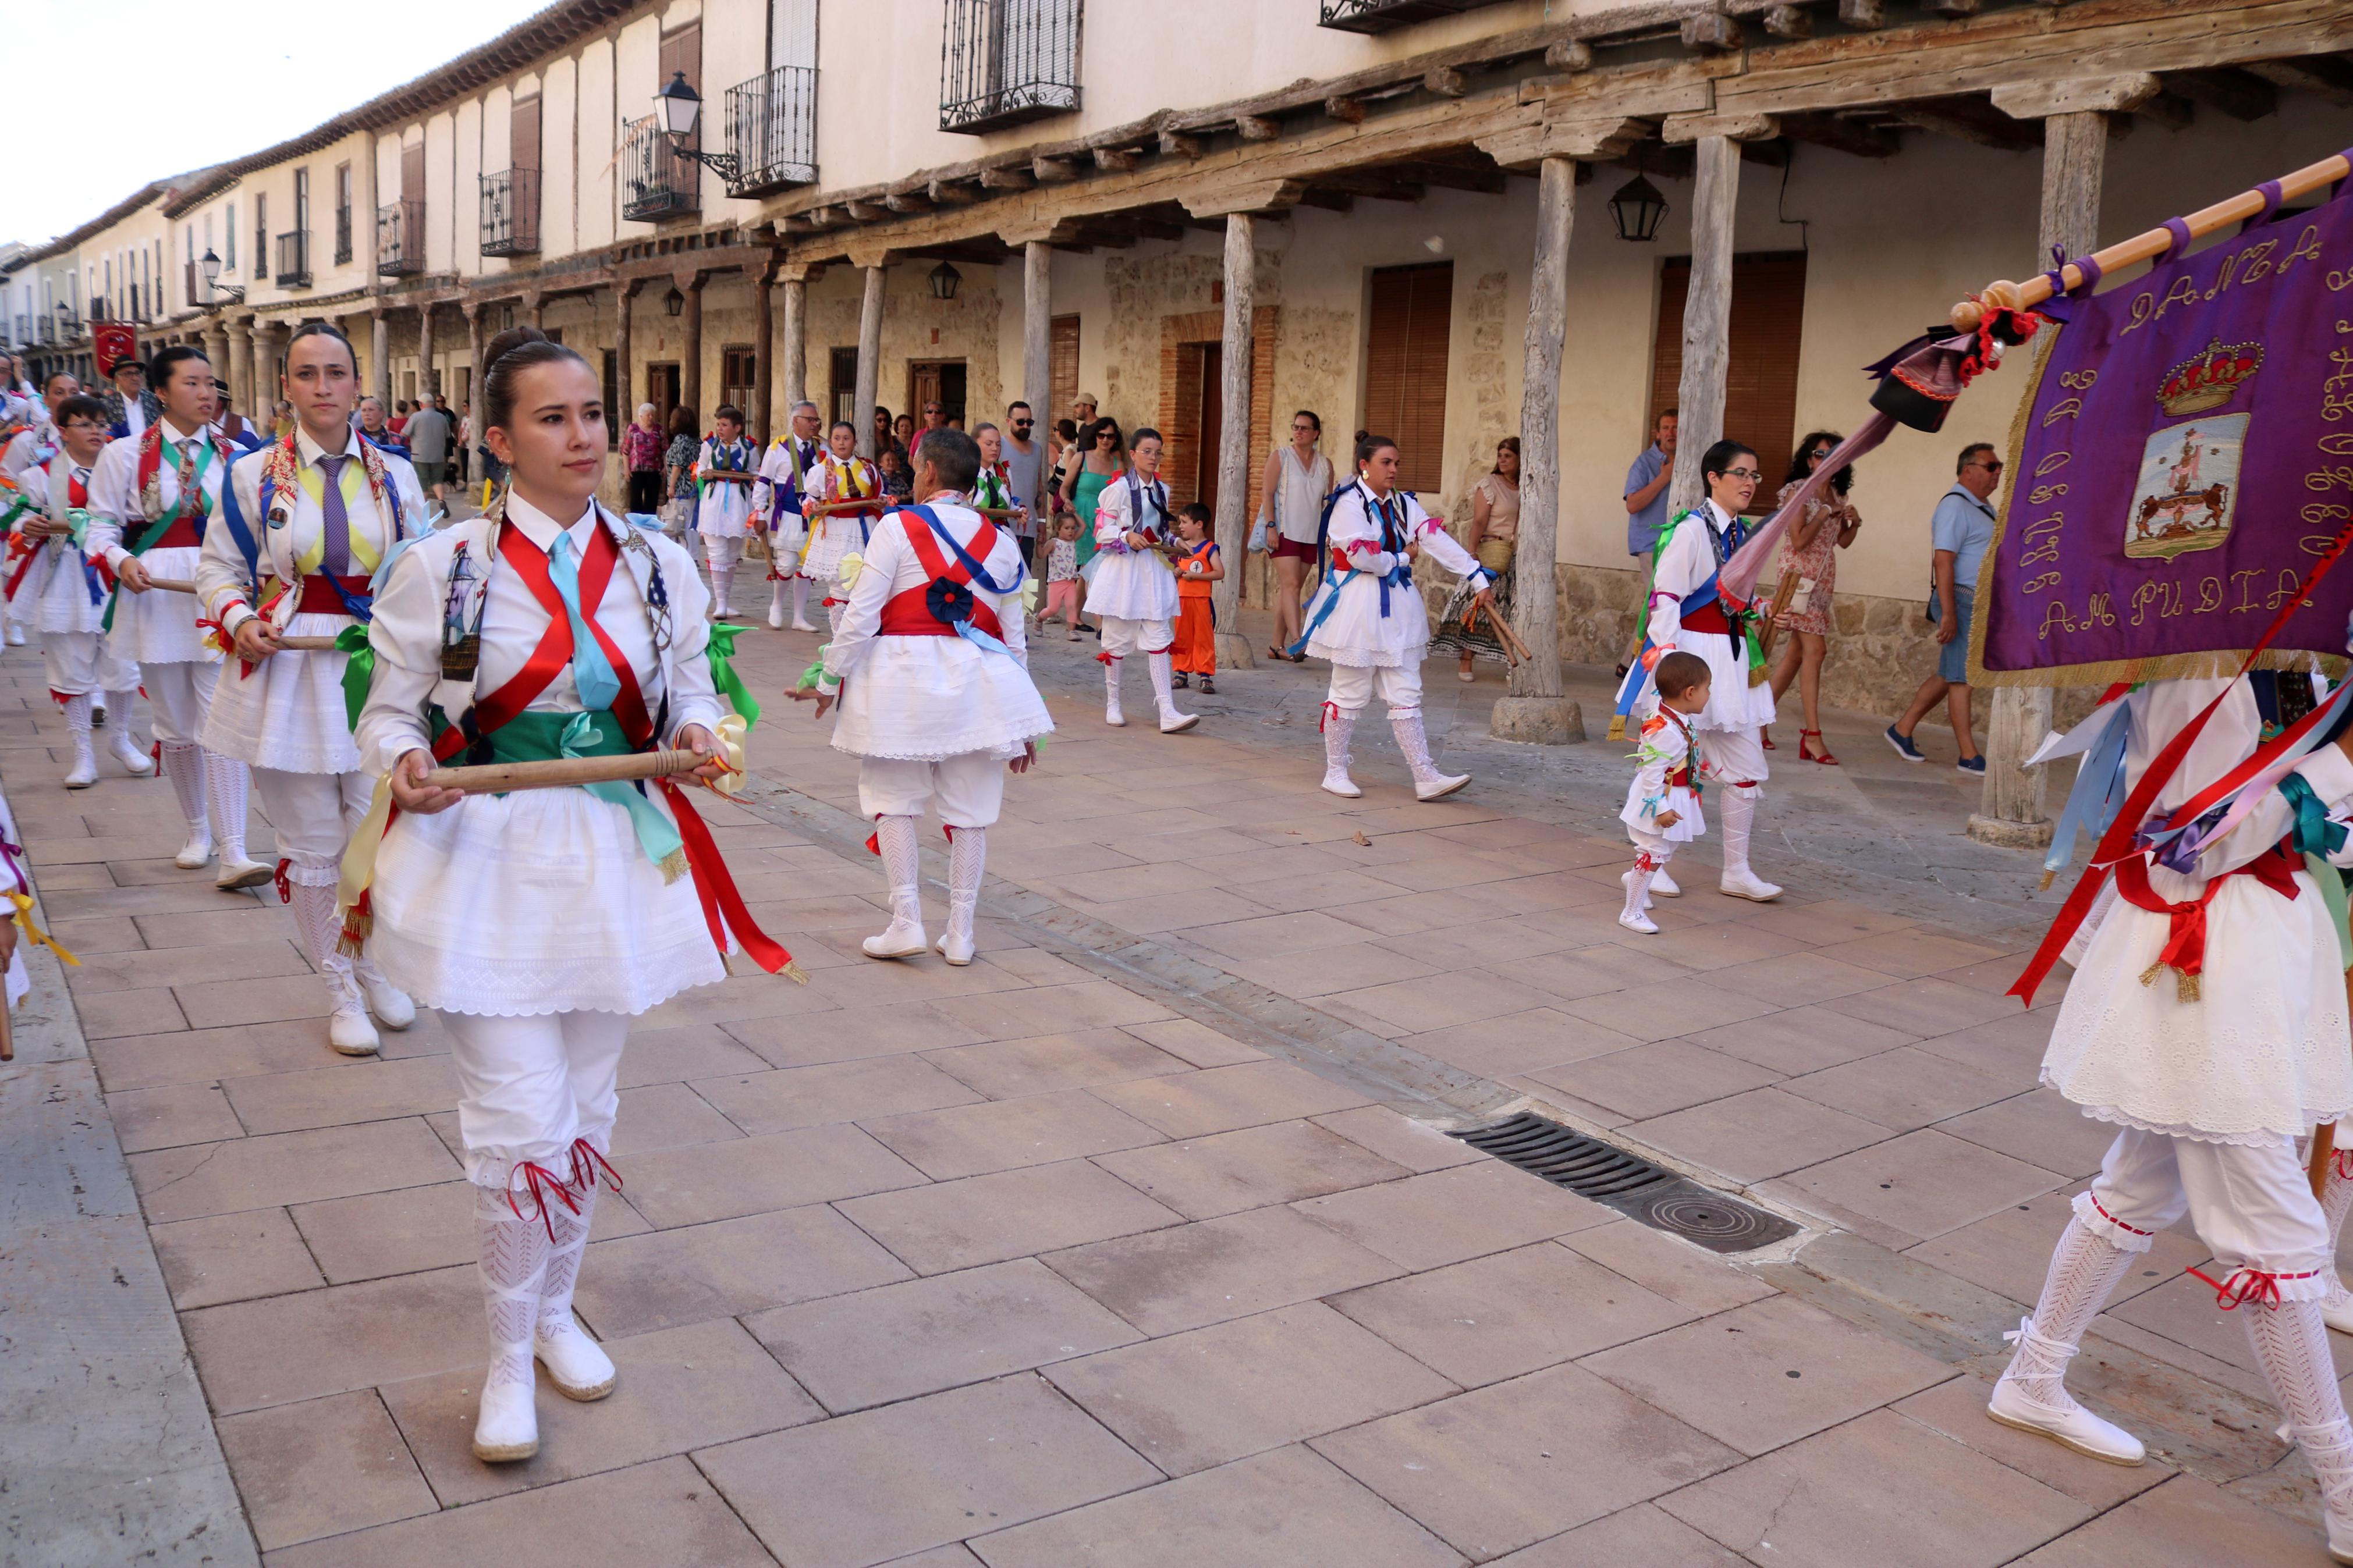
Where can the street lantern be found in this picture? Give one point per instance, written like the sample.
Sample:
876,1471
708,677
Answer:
679,106
673,301
212,266
944,278
1636,210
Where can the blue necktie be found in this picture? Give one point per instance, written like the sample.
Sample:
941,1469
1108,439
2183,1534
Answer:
591,670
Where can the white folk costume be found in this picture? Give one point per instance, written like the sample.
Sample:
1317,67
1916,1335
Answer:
1686,614
150,497
2207,1018
1369,620
725,473
786,479
540,921
1134,593
319,525
933,673
836,536
32,439
1666,779
67,593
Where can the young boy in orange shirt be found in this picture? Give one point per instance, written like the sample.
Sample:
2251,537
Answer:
1196,624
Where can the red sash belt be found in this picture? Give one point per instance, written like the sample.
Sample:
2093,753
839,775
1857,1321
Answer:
319,596
181,535
909,615
1709,617
1680,779
2185,943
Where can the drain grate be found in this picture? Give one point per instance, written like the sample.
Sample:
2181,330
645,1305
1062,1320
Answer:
1629,1183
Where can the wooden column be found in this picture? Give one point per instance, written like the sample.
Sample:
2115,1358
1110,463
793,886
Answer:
869,357
623,293
425,349
474,362
764,353
215,347
796,287
240,366
1038,334
689,369
1233,439
1707,317
534,305
2012,815
379,357
1535,708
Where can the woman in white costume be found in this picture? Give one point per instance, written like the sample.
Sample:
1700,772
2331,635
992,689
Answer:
539,922
151,499
933,675
724,472
320,509
66,592
1369,620
1133,589
841,475
2206,1019
786,476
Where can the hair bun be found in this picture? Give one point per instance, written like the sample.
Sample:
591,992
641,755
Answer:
506,342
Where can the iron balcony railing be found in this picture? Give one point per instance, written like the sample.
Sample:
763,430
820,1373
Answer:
293,260
657,181
342,236
1381,16
771,130
511,212
400,239
1006,61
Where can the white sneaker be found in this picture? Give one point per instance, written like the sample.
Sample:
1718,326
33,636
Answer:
1664,886
775,617
125,750
198,852
1337,782
388,1002
956,951
2071,1424
508,1427
1113,716
903,938
576,1363
1439,786
1175,723
2337,1310
800,624
84,771
1740,882
1640,923
241,873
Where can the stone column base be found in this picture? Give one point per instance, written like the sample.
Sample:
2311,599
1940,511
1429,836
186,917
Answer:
1539,721
2004,834
1234,652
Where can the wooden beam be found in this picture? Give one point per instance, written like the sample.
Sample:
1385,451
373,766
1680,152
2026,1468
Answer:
1711,32
865,212
1485,180
1953,9
1570,54
1443,81
1789,21
946,192
1005,180
1840,135
908,201
1862,15
1349,110
1369,183
1118,160
1255,127
1978,129
2077,95
1053,171
1177,145
2324,77
1683,128
2242,95
2171,110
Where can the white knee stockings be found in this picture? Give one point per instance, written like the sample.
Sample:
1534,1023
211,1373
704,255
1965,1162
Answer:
1339,724
894,840
968,858
2085,1268
83,773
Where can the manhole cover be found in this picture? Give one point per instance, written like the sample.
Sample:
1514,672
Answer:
1628,1183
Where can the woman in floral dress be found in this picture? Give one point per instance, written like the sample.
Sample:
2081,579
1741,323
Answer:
1811,551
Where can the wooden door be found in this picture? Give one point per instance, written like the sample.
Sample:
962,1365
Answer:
661,389
1411,312
1062,371
922,387
1211,424
1765,330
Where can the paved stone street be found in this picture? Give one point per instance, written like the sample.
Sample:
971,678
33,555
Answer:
1139,1241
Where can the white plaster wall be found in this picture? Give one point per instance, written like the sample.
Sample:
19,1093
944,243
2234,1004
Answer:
597,128
441,234
559,106
468,132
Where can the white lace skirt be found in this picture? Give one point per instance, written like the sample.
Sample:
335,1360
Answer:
288,713
829,541
62,586
2263,1053
927,699
1133,587
160,627
535,902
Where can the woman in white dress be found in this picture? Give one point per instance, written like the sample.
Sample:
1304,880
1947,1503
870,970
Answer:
1290,503
321,510
1134,590
841,475
541,920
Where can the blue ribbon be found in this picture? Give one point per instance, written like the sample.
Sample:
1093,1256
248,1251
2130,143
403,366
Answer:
965,628
2098,793
657,835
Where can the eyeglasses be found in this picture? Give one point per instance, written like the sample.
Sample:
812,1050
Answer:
1742,474
1023,424
1990,465
931,409
1819,453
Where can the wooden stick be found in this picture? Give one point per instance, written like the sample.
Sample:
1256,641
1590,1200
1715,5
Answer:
1508,637
558,772
2151,245
8,1033
308,645
171,586
1783,592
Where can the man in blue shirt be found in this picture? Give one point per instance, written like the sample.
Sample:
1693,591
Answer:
1646,514
1960,533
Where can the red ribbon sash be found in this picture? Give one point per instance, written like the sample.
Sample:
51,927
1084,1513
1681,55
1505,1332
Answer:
2184,941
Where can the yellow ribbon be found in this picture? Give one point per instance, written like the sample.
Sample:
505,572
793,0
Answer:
359,856
729,731
33,933
847,573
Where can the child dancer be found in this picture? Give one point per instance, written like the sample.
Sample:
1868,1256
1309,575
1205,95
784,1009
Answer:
1133,593
724,470
786,475
1662,805
1062,576
841,475
1196,621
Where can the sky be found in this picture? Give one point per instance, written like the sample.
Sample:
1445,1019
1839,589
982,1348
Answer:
151,90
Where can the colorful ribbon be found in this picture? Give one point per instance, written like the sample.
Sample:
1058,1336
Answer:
721,654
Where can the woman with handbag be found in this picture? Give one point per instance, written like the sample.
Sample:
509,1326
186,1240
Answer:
1810,554
1463,631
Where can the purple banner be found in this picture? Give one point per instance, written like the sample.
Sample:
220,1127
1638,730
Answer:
2186,456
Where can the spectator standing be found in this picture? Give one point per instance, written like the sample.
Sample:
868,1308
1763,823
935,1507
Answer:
1290,503
1960,533
641,454
883,437
680,463
1102,458
1646,516
130,407
902,437
1024,470
1469,632
1811,551
428,434
463,447
399,416
1083,410
934,418
373,426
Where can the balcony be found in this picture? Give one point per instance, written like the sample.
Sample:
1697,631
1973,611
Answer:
771,130
511,212
1006,61
400,239
293,260
342,236
656,182
1384,16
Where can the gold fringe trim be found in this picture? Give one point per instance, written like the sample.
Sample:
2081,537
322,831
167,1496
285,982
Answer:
2186,986
794,973
674,866
357,929
1617,727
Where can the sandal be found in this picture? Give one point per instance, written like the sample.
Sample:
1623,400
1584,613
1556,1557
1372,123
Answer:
1274,652
1209,688
1768,739
1822,756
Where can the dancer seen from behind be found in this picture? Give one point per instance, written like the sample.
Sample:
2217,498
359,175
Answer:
305,524
1369,619
66,591
540,920
152,497
1662,805
931,669
1133,592
1687,613
2206,1020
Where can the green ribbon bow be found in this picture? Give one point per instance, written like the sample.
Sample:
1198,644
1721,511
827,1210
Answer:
358,670
814,673
78,526
2316,838
721,654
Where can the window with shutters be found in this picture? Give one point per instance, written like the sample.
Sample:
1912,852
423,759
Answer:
509,201
1410,313
1760,393
1061,368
